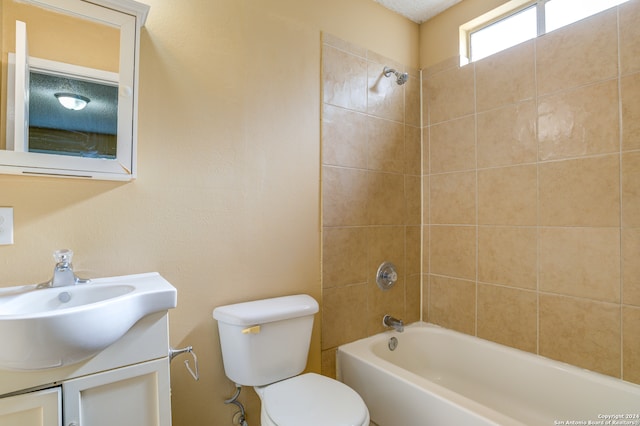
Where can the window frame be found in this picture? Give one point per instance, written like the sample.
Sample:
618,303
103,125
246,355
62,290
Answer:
500,13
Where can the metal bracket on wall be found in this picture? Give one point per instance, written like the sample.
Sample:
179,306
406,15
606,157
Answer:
189,349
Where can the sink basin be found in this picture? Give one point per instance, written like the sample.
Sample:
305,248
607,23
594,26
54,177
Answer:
54,327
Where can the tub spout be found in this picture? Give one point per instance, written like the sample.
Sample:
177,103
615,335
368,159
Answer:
389,321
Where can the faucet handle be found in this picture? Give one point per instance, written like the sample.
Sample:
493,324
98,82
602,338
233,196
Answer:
386,276
63,256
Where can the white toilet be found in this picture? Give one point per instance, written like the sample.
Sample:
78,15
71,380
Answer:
265,344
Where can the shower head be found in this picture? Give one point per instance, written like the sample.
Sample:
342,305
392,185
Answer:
401,78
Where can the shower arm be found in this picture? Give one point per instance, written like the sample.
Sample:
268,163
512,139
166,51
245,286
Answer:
388,71
401,78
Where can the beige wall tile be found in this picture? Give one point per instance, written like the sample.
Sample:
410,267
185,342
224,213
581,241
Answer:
631,189
385,145
582,192
344,196
386,204
452,63
412,100
631,344
426,151
340,306
453,251
344,79
506,77
507,136
586,262
629,36
385,302
413,252
412,151
451,94
426,290
508,316
581,332
631,266
413,292
453,198
340,206
507,196
425,101
578,54
426,190
452,303
582,262
452,145
386,244
567,129
344,137
426,251
344,256
630,93
373,56
413,188
508,256
385,98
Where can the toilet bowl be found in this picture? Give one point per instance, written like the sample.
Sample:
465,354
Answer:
265,344
311,400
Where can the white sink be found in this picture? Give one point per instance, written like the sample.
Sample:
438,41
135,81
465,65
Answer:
54,327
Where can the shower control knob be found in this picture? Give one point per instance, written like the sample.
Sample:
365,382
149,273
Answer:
386,276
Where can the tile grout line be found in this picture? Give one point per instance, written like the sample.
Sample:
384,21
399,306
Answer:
620,189
477,191
538,227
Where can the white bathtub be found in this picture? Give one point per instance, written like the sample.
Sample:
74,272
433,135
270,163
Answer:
441,377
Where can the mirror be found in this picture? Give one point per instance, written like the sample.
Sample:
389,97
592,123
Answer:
69,87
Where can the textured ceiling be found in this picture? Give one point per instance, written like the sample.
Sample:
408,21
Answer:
417,10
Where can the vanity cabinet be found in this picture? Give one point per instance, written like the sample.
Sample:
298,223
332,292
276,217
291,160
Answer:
41,408
131,396
127,384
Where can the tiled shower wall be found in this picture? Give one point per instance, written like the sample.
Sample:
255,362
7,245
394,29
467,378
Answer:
371,194
532,195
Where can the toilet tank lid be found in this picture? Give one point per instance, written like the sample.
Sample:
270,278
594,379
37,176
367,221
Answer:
266,310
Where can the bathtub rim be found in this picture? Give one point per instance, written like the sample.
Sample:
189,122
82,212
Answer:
365,344
362,350
445,395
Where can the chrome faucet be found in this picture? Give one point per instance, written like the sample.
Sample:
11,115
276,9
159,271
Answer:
389,321
63,274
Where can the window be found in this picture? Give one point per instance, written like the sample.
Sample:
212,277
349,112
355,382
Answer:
514,29
521,20
559,13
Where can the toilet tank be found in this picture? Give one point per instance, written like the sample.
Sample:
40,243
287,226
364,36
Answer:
267,340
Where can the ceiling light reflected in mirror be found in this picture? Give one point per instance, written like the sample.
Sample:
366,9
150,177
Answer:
72,101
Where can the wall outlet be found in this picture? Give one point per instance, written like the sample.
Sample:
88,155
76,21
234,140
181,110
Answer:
6,225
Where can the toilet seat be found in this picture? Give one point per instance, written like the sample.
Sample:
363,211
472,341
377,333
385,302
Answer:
312,400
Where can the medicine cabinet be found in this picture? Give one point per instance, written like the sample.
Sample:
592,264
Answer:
69,87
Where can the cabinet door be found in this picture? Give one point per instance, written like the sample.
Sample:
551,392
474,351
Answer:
42,408
138,395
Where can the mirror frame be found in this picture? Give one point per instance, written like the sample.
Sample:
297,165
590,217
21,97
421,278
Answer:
123,168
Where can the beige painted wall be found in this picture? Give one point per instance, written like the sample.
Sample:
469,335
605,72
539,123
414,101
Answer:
227,203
